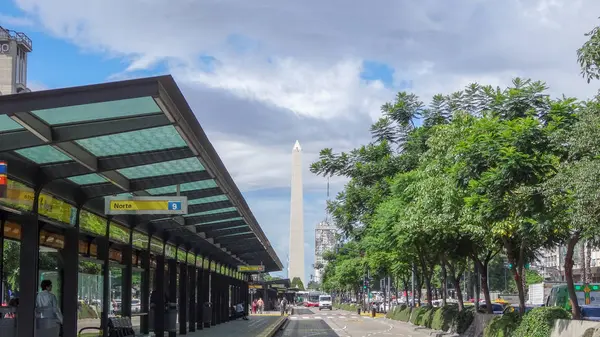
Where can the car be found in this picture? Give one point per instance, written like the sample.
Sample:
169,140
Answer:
136,305
325,302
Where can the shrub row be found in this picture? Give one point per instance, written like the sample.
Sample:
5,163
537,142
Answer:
445,318
536,323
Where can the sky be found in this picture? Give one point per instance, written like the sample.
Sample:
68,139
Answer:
260,75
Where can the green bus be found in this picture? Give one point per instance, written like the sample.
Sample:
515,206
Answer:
559,296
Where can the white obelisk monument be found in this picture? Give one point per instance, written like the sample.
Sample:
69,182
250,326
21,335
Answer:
296,263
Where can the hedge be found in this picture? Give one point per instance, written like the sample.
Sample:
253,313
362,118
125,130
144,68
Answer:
418,314
464,319
443,317
540,321
503,326
428,317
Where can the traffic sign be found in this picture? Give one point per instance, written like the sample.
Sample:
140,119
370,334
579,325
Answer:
251,269
145,205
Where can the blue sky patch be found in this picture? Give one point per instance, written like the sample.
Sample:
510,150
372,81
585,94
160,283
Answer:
377,71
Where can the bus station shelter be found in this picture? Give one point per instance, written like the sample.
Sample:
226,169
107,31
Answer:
65,151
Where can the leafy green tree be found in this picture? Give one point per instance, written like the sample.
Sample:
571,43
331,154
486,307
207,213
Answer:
297,283
588,55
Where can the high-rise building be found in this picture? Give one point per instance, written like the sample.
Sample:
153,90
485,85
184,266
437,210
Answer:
296,264
14,47
324,241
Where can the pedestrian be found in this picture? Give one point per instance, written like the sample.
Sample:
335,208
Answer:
47,303
261,305
283,306
254,307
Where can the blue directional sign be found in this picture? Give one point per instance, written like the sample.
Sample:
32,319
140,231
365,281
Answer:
175,205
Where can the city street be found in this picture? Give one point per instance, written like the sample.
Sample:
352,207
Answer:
312,322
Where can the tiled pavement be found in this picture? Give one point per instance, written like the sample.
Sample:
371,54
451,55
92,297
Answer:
255,326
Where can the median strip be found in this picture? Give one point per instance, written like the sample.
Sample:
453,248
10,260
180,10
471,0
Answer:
272,329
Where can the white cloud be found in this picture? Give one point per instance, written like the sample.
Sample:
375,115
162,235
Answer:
322,92
294,71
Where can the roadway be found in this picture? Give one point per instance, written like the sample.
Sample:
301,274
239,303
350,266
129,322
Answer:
338,323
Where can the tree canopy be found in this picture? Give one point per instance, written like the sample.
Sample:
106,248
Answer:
481,175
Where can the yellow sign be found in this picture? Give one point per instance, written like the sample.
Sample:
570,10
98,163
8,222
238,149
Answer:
250,269
254,286
21,197
146,205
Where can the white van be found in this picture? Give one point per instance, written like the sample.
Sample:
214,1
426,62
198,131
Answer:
325,302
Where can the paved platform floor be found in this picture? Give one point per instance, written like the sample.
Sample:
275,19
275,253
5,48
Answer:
255,326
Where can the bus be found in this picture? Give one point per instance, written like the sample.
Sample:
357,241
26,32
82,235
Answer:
312,299
559,296
301,297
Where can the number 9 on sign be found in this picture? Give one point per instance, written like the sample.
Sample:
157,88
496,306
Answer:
175,205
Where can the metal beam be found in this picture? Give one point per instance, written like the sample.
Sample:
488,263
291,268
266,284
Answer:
209,227
106,189
238,239
97,93
70,132
197,194
227,231
209,206
198,219
33,125
79,155
112,163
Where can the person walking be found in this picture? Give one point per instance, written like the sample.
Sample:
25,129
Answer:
47,304
254,307
261,305
283,306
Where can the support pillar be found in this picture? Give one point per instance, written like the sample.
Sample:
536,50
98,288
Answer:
193,294
183,297
172,265
70,273
159,298
28,273
201,299
213,298
145,291
103,254
127,280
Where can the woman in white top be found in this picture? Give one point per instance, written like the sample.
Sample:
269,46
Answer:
47,303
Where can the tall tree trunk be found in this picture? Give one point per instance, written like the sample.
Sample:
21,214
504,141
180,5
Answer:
582,268
456,281
569,275
588,261
482,266
426,275
444,282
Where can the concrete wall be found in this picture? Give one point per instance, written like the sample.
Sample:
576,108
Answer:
573,328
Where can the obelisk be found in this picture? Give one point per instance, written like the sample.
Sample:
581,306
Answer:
296,264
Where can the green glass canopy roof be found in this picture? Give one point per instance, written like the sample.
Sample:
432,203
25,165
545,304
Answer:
136,138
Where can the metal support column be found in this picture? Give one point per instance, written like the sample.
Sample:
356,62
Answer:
70,282
127,279
28,273
172,266
103,254
213,300
145,289
183,296
201,298
193,293
159,298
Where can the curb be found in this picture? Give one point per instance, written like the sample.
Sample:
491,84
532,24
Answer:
272,330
